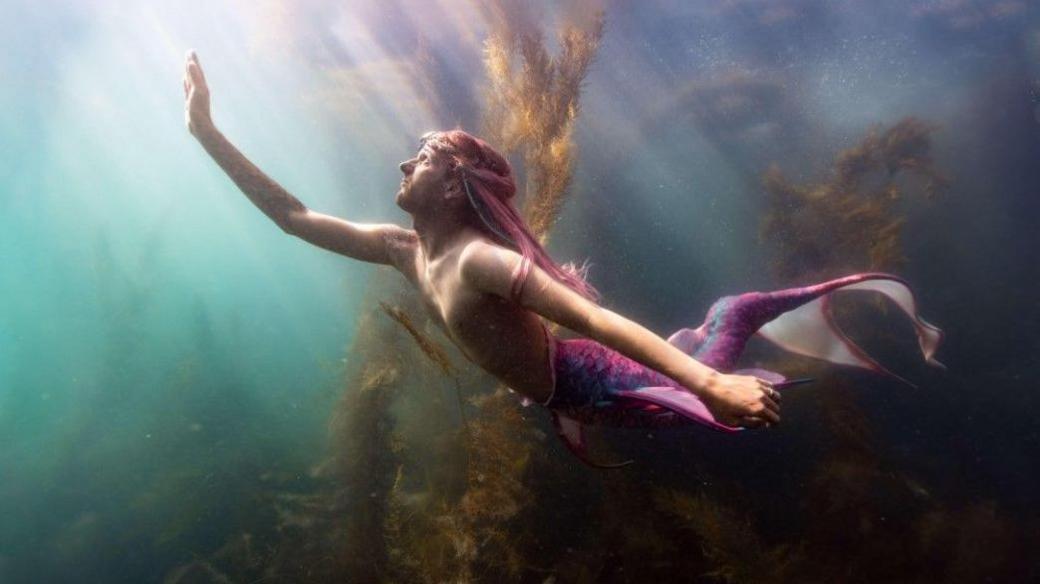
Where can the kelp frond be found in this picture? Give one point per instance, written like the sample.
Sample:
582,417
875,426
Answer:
433,351
850,221
532,104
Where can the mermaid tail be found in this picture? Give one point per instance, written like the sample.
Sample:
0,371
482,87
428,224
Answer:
661,406
799,320
796,319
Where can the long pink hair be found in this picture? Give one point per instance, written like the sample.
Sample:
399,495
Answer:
488,180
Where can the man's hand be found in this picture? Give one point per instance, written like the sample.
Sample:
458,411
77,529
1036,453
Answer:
196,96
743,400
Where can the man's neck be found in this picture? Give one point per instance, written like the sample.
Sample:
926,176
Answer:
439,234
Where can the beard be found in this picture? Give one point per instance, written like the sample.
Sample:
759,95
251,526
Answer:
401,199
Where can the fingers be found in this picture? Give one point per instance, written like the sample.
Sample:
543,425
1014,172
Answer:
195,59
771,406
756,421
196,74
186,79
187,68
773,394
759,409
753,422
770,399
194,70
771,416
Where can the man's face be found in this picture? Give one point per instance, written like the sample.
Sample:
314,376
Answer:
425,181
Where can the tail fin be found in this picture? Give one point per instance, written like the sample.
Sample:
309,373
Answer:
799,320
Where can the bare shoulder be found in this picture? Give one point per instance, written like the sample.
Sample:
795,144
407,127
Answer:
488,267
402,247
480,256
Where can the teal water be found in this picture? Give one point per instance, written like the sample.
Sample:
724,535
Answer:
161,345
166,353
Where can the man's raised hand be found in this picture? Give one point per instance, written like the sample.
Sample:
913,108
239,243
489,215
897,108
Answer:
196,95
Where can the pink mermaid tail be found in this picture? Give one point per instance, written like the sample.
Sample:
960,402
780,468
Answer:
799,320
596,385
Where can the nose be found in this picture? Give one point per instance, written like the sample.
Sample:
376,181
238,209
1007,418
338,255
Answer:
406,166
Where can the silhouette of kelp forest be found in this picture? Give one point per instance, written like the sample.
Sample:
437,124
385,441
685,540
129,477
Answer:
438,474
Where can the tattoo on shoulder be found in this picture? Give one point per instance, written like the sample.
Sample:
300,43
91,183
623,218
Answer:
401,244
400,237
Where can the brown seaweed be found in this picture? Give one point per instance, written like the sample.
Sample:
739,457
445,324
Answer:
410,497
858,204
478,533
532,102
433,351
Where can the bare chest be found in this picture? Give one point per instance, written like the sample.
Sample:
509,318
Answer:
497,335
468,316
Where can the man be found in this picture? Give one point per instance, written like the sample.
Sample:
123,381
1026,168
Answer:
488,283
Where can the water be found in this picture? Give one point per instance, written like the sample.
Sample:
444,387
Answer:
180,381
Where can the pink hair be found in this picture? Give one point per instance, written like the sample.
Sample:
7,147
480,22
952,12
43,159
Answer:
488,180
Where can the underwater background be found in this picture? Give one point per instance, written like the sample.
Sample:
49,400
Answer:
187,394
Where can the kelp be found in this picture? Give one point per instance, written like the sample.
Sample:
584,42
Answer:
485,530
729,540
884,530
424,500
533,101
532,104
433,351
416,498
857,519
865,521
424,541
851,221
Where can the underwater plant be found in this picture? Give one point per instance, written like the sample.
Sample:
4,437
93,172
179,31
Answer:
423,495
858,203
433,351
532,103
733,549
367,449
866,521
478,532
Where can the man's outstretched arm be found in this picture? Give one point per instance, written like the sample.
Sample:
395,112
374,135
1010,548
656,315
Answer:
378,243
734,399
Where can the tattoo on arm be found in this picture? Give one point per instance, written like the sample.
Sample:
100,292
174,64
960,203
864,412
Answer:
265,193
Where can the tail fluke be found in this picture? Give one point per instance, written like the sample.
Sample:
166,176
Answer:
799,320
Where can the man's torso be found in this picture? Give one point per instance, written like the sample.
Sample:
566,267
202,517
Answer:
496,334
